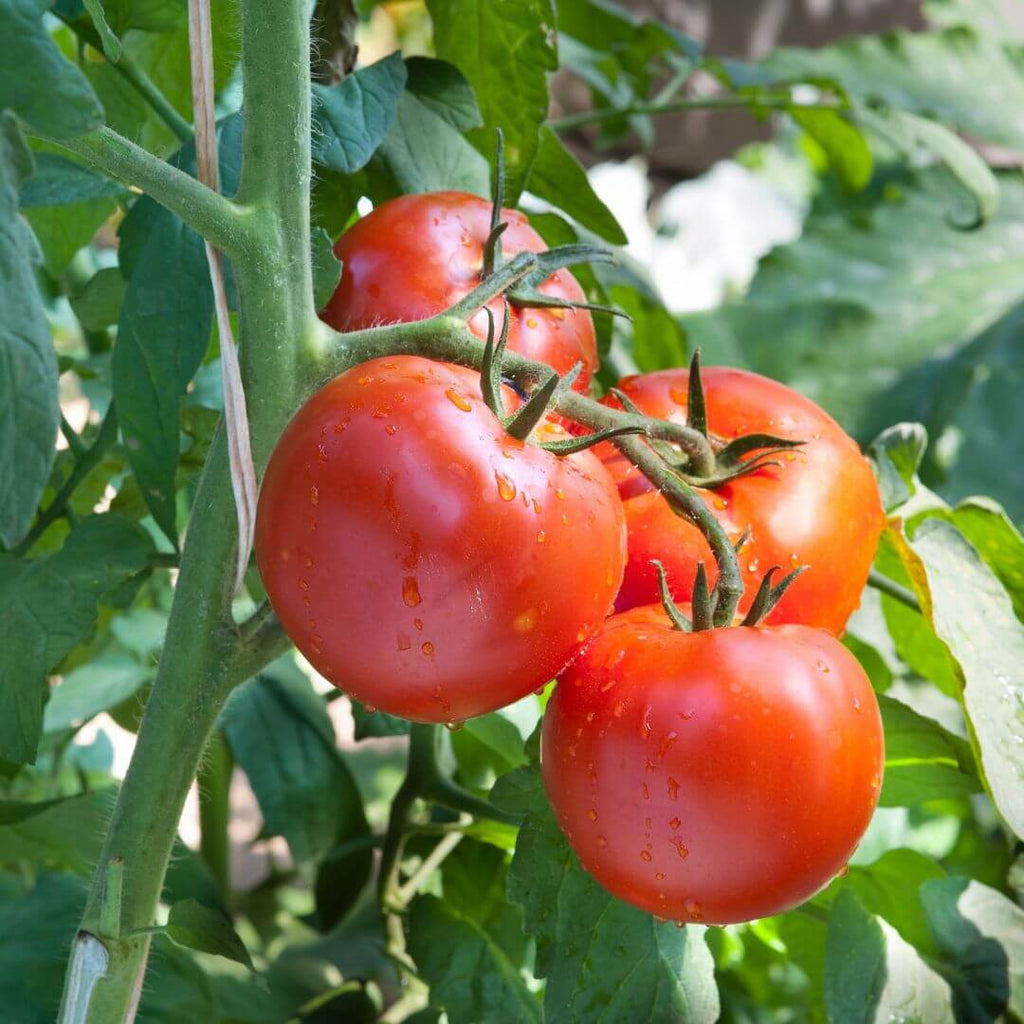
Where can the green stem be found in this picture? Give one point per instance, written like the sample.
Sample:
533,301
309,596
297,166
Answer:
214,781
893,589
739,101
217,219
83,466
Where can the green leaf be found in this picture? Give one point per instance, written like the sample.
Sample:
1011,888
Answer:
281,737
981,936
896,455
595,951
425,154
485,747
872,975
99,302
443,88
958,77
46,91
998,541
29,410
505,49
58,181
923,761
164,330
94,687
63,230
67,833
470,976
972,615
326,267
112,48
34,928
351,119
653,336
885,888
49,605
558,177
846,148
207,930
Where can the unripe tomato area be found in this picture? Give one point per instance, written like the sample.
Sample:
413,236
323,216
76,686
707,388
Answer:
435,567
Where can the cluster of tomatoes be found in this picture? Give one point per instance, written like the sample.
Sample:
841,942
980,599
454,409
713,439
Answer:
436,567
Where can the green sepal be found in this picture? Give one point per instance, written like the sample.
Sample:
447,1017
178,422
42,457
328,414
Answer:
738,470
767,596
566,256
533,299
696,411
492,247
703,608
731,454
580,444
626,402
679,620
490,365
529,415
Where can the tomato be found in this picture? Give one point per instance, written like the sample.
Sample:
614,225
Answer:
820,507
414,256
421,558
717,776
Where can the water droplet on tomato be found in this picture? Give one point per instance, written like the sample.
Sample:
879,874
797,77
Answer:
721,503
303,584
673,789
856,704
620,709
459,401
822,667
506,489
541,537
369,709
693,907
557,313
427,647
560,494
665,743
645,855
875,781
536,505
592,814
391,429
411,591
525,621
601,841
674,823
565,520
418,623
659,875
285,554
644,791
404,643
454,726
364,380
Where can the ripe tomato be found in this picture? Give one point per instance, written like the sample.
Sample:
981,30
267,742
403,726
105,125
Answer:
412,257
820,507
419,557
718,776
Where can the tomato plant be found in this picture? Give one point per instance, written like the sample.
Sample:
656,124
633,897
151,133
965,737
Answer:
414,256
219,803
801,509
716,776
422,559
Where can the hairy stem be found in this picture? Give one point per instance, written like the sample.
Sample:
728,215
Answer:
215,810
211,215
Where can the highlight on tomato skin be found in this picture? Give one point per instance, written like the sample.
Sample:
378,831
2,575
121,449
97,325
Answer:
819,507
712,777
421,558
414,256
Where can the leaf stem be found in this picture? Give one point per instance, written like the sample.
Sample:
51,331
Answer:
893,589
218,220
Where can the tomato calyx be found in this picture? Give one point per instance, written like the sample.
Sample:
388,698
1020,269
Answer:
526,292
525,419
705,601
729,462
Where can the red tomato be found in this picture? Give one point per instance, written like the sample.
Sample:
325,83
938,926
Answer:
819,508
412,257
419,557
719,776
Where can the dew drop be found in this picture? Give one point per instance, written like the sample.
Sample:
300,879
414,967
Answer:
645,855
681,849
369,709
454,726
404,643
308,562
530,322
364,381
565,520
557,313
665,743
856,704
506,489
560,494
674,823
601,841
390,429
303,584
427,647
581,635
541,537
693,907
673,789
418,623
822,667
721,503
644,791
285,554
536,505
592,814
620,709
875,781
660,876
411,591
314,495
457,400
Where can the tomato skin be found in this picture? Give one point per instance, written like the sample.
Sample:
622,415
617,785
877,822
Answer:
412,257
719,776
820,507
423,560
